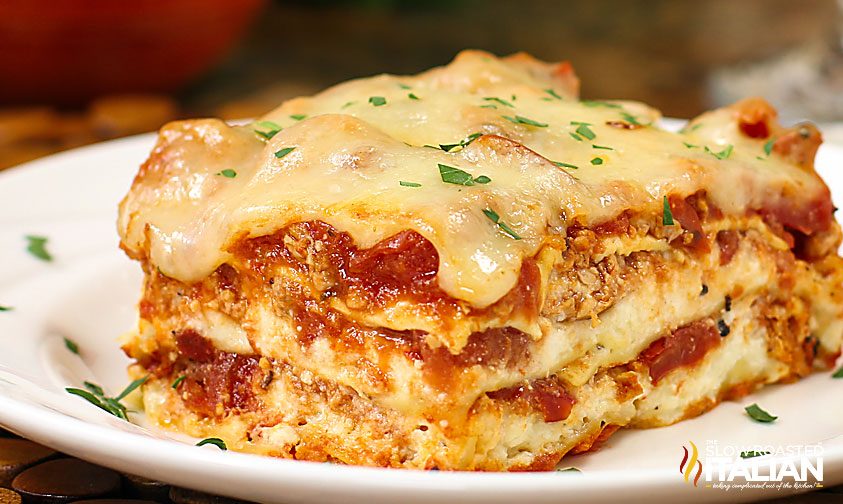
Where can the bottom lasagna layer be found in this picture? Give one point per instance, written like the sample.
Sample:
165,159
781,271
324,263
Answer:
269,407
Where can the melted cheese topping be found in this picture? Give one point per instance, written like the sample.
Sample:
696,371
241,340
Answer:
351,154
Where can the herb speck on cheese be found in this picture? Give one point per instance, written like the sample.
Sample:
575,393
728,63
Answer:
667,218
499,100
524,120
452,175
494,217
377,101
283,152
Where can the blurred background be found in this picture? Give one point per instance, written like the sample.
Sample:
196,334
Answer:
74,72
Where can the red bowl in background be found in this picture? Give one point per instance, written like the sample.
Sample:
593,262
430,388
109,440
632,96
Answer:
69,51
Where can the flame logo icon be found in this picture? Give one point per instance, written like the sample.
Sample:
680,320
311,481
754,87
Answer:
689,460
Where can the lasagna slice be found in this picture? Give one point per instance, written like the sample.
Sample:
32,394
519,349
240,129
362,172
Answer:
472,269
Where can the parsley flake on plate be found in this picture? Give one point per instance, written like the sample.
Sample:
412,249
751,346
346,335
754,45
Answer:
37,247
219,443
227,173
95,395
759,415
71,345
408,184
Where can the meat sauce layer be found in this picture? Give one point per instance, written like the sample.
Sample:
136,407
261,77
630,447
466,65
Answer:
684,347
546,395
216,382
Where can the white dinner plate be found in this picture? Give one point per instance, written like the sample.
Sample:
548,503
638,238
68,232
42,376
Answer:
88,293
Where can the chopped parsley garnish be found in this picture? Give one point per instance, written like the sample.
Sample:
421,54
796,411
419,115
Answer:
283,152
569,469
758,414
695,127
403,86
584,130
575,136
723,328
525,120
451,175
298,117
690,145
6,308
94,388
552,93
494,217
566,165
513,98
725,153
412,96
499,100
178,381
753,454
408,184
597,161
667,215
489,105
768,146
268,129
131,388
96,396
462,143
631,119
227,173
37,247
347,104
596,103
71,345
219,443
377,101
594,146
838,373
